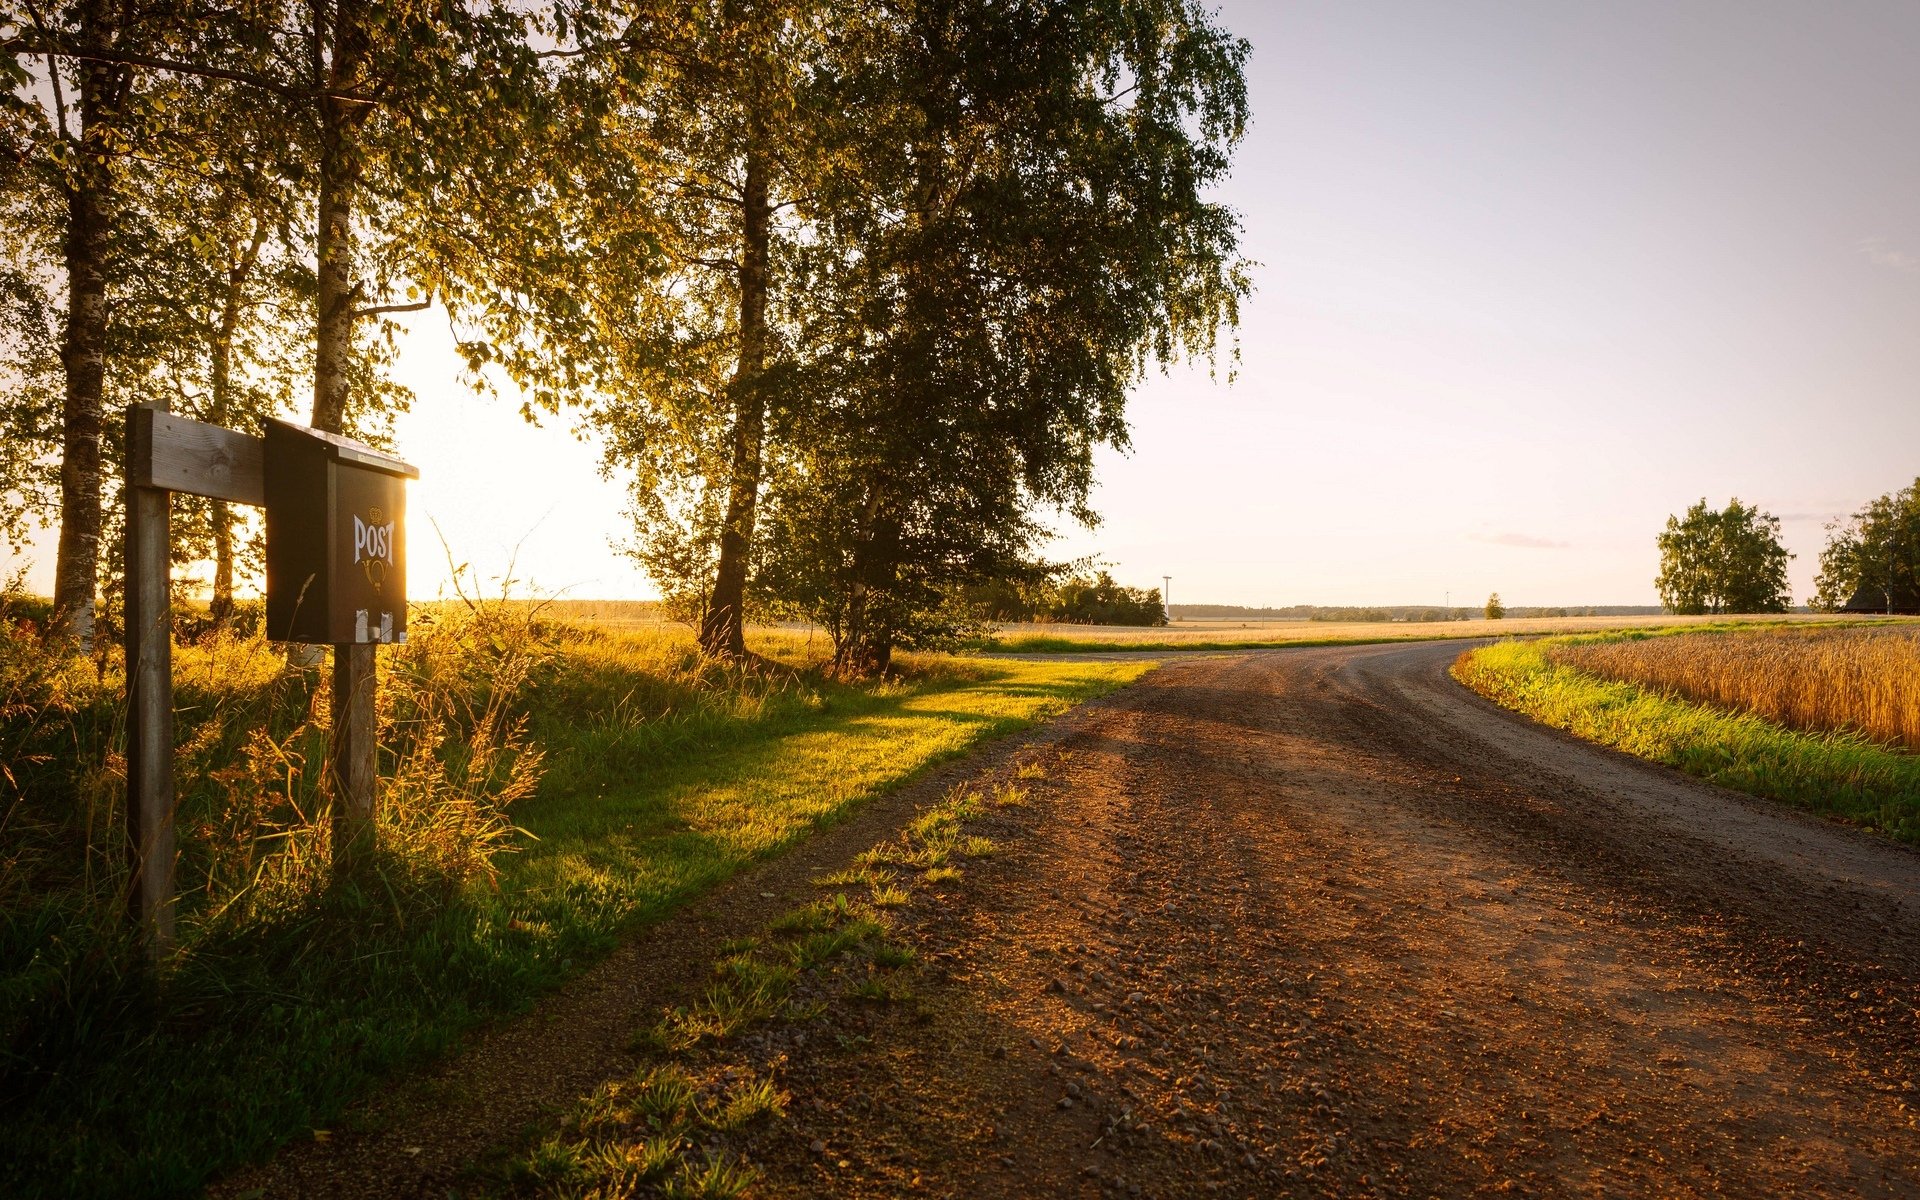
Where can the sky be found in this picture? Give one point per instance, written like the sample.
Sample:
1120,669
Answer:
1531,277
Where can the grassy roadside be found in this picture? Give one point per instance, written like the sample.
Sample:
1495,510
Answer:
660,780
1835,774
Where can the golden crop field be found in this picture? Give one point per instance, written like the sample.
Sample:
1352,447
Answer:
1860,678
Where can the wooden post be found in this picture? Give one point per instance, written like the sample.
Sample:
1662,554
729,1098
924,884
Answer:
149,699
353,754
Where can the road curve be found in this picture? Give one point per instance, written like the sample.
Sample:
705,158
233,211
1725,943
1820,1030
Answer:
1310,922
1322,922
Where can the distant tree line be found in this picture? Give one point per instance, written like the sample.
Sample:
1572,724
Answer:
849,294
1396,612
1386,613
1068,597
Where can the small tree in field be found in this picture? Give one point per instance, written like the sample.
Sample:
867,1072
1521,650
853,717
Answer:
1495,609
1730,561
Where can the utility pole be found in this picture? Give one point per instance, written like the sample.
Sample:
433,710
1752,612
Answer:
1166,595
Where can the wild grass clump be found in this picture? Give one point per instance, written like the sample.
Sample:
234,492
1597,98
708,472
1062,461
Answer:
1835,773
261,915
640,1137
1860,679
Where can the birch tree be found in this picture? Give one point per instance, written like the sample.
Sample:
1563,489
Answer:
1021,231
381,107
681,202
1727,560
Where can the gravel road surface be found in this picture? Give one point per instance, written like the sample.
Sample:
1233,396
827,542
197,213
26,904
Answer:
1324,923
1313,922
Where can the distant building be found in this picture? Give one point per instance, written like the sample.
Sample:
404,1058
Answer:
1902,599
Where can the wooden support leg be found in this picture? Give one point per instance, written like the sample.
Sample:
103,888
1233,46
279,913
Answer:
150,721
353,754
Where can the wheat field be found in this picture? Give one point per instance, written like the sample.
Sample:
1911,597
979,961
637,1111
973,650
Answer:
1861,679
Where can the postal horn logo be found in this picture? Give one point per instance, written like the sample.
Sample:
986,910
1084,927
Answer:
373,546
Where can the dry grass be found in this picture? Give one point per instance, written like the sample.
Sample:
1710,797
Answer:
802,643
1859,679
1211,632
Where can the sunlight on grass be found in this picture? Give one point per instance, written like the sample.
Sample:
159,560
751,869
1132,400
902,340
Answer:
659,774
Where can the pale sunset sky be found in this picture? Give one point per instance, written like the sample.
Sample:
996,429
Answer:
1531,277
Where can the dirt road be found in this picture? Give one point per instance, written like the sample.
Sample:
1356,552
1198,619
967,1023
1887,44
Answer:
1324,923
1300,923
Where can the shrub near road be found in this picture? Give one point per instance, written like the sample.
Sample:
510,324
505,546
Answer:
1829,768
638,773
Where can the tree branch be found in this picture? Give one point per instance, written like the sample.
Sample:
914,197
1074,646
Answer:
376,310
52,49
53,76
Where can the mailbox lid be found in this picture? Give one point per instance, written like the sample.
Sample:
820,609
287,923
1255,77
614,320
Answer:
344,449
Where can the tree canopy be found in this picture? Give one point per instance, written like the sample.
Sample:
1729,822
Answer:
1873,557
1725,561
1021,228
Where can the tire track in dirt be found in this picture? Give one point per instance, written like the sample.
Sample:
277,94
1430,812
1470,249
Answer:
1321,923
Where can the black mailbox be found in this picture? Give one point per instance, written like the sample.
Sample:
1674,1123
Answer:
336,538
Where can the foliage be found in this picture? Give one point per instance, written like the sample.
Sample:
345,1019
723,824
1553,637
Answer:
673,184
1018,228
1726,561
1875,555
292,996
892,269
29,346
1838,774
161,163
1495,610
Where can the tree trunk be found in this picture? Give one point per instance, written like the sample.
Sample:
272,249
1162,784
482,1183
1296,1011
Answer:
340,123
220,608
83,342
867,649
722,629
239,270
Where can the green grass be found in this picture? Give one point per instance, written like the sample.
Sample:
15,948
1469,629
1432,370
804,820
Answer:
663,1113
664,1127
662,777
1835,774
